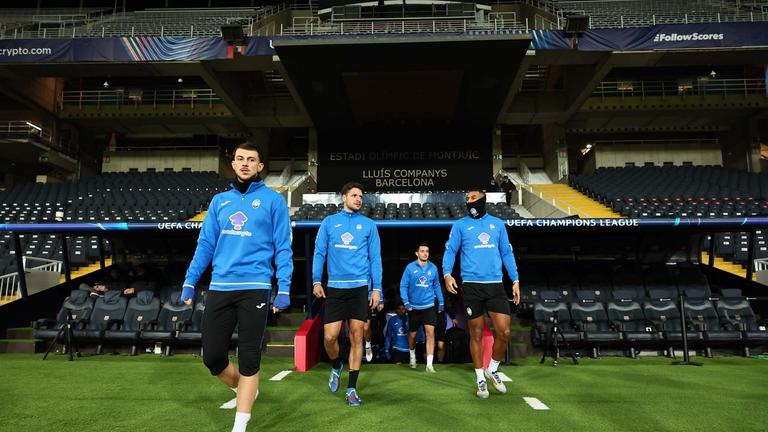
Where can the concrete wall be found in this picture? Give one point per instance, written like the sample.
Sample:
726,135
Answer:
541,208
617,155
197,160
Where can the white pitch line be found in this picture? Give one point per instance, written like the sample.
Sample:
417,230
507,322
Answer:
535,403
504,377
280,375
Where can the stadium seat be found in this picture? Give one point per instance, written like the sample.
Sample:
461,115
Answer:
77,308
140,314
546,312
735,310
592,321
173,317
702,315
108,313
191,333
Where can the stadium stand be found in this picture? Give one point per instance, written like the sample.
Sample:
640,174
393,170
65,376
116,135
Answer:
404,211
643,13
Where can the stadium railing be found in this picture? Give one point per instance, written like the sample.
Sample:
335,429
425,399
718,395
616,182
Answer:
139,97
682,87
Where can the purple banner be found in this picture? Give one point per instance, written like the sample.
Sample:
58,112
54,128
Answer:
136,49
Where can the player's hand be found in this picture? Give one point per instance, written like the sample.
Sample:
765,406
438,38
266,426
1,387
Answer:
317,290
128,291
374,299
408,307
516,293
282,302
455,322
450,284
380,307
187,295
440,308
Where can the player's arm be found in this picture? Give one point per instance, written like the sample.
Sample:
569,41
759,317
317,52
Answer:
318,259
206,245
404,289
449,258
283,237
374,258
438,292
508,258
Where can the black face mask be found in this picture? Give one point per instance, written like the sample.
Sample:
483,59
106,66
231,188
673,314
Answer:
476,209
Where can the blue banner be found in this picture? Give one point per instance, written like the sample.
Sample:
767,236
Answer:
669,36
260,45
733,224
130,49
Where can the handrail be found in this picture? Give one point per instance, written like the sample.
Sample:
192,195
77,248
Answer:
27,129
402,26
682,87
139,97
569,208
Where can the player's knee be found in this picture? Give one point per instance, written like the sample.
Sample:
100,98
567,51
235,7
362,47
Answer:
330,338
476,333
249,366
503,334
215,362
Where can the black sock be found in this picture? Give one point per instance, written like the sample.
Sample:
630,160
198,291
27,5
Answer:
353,379
336,363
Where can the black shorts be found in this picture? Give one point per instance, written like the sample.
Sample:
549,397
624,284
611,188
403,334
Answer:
246,310
480,298
440,327
420,317
399,356
346,303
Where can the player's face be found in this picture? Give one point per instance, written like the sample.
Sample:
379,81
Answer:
473,196
400,310
246,164
353,199
423,253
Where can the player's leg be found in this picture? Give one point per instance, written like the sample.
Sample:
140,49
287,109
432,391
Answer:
412,348
331,342
501,323
252,314
429,330
219,321
355,359
499,311
367,336
476,327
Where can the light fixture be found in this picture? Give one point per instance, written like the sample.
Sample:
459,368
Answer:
106,84
589,146
180,80
34,126
713,74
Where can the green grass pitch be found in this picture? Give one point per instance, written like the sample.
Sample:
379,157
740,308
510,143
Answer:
150,393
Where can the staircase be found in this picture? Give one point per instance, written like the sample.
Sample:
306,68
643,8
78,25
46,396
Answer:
21,340
279,336
199,217
82,271
569,199
727,266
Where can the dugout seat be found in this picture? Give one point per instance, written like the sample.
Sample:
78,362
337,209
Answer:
549,308
174,315
702,315
626,313
592,321
77,307
734,309
141,312
108,312
192,330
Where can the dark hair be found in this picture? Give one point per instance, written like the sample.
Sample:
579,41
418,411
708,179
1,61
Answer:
251,147
422,244
351,185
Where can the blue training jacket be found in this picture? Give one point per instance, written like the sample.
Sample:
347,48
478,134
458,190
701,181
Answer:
397,334
242,234
351,243
419,285
484,246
